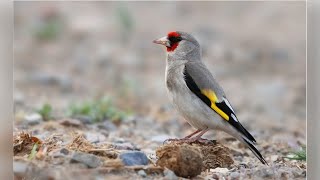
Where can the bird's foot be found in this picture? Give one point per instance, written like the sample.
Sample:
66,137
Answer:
174,140
190,141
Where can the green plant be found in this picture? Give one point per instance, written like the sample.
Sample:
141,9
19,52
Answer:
97,110
33,151
48,30
300,155
46,112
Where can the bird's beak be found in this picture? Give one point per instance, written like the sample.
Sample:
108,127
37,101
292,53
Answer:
163,41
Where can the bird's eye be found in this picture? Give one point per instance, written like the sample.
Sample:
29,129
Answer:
174,39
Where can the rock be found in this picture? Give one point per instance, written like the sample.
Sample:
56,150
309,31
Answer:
94,137
52,79
84,119
33,119
20,168
125,146
132,158
169,175
265,173
63,152
107,125
234,175
220,170
90,160
142,173
71,122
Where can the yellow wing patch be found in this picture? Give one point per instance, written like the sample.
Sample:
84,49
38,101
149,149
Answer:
213,98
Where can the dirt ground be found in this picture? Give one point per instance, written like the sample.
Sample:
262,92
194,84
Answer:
74,55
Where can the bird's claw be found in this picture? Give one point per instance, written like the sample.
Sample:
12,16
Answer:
190,140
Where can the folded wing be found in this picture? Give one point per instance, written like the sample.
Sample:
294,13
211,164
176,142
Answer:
204,86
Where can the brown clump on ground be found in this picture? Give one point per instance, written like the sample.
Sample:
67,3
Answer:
79,143
190,159
23,143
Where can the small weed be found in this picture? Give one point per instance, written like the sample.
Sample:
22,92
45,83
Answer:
98,110
46,112
33,151
298,155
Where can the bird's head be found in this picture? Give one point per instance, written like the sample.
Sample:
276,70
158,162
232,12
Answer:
181,45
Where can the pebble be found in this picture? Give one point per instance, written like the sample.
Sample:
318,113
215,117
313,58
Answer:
132,158
90,160
33,119
234,175
125,146
71,122
265,173
94,137
63,152
170,175
220,170
107,125
142,173
50,79
20,168
84,119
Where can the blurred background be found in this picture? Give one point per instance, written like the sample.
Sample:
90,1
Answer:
70,55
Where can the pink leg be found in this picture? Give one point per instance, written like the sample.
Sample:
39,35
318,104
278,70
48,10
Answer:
198,138
201,134
192,134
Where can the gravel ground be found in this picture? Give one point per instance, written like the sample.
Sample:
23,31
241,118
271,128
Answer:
76,52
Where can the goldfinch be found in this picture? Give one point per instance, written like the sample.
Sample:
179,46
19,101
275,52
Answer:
196,94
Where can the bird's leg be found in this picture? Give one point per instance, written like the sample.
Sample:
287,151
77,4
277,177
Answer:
198,138
188,138
192,134
185,138
201,134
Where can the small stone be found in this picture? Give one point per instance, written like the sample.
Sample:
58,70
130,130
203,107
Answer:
71,122
94,137
125,146
170,175
52,79
220,170
90,160
64,151
132,158
107,125
265,173
84,119
142,173
234,175
59,153
33,119
274,158
20,168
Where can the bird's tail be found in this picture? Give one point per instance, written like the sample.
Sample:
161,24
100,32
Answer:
254,150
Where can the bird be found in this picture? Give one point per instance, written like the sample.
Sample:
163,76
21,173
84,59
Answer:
196,94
